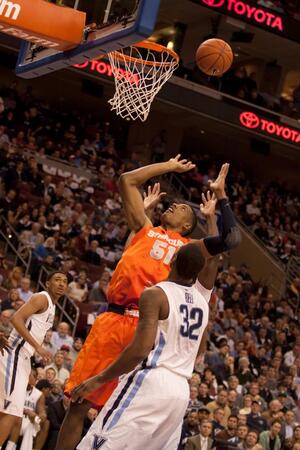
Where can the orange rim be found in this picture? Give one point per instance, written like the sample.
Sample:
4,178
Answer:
149,46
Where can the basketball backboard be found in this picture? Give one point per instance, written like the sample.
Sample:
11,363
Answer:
110,25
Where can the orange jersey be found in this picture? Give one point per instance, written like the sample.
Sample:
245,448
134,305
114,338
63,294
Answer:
144,263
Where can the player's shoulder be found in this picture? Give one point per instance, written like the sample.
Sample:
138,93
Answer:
154,291
40,297
202,291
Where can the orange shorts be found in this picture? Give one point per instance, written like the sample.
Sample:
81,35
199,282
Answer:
108,337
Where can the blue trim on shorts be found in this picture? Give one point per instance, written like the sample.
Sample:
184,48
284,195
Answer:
8,363
138,382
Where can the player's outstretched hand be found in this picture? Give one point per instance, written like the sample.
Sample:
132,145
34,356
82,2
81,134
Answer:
153,196
3,343
208,205
45,354
218,186
85,388
180,165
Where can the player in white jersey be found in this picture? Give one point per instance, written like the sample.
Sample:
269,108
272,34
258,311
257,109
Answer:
147,408
31,322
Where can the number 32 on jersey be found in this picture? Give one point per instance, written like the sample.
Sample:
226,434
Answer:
162,250
192,321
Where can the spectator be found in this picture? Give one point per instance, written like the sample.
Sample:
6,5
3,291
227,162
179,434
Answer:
51,375
78,290
203,396
289,357
57,365
229,435
194,403
216,360
48,344
32,238
201,441
255,421
13,280
251,441
5,325
75,349
242,432
9,303
8,203
45,249
218,421
190,428
24,290
270,440
98,293
91,256
220,402
61,336
247,403
287,430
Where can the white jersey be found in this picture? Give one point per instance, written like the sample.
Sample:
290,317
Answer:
31,399
37,325
179,336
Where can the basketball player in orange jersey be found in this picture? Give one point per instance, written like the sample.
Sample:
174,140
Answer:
145,262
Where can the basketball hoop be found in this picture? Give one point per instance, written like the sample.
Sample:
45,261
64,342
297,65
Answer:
140,71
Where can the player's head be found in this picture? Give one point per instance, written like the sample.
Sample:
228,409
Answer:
187,263
57,283
180,217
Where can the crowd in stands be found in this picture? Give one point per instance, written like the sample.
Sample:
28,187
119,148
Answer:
289,7
237,82
245,394
270,210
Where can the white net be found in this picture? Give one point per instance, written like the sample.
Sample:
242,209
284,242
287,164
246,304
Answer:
139,71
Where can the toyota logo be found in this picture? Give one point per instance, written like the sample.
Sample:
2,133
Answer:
214,3
249,119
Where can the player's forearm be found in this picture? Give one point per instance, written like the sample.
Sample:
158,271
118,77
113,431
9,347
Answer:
231,235
20,326
203,343
212,227
139,176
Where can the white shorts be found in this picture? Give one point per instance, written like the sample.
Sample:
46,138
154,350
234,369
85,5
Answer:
14,374
145,412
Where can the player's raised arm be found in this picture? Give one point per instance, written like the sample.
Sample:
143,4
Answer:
151,303
38,303
208,274
152,197
231,236
130,182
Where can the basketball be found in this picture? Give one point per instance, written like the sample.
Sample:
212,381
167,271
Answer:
214,57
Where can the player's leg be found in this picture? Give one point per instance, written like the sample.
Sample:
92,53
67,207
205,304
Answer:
109,335
7,423
14,434
14,374
143,412
42,435
74,418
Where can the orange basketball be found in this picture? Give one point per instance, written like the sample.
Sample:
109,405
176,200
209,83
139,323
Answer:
214,57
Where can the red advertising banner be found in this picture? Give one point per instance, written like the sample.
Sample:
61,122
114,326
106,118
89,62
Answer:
255,14
252,121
